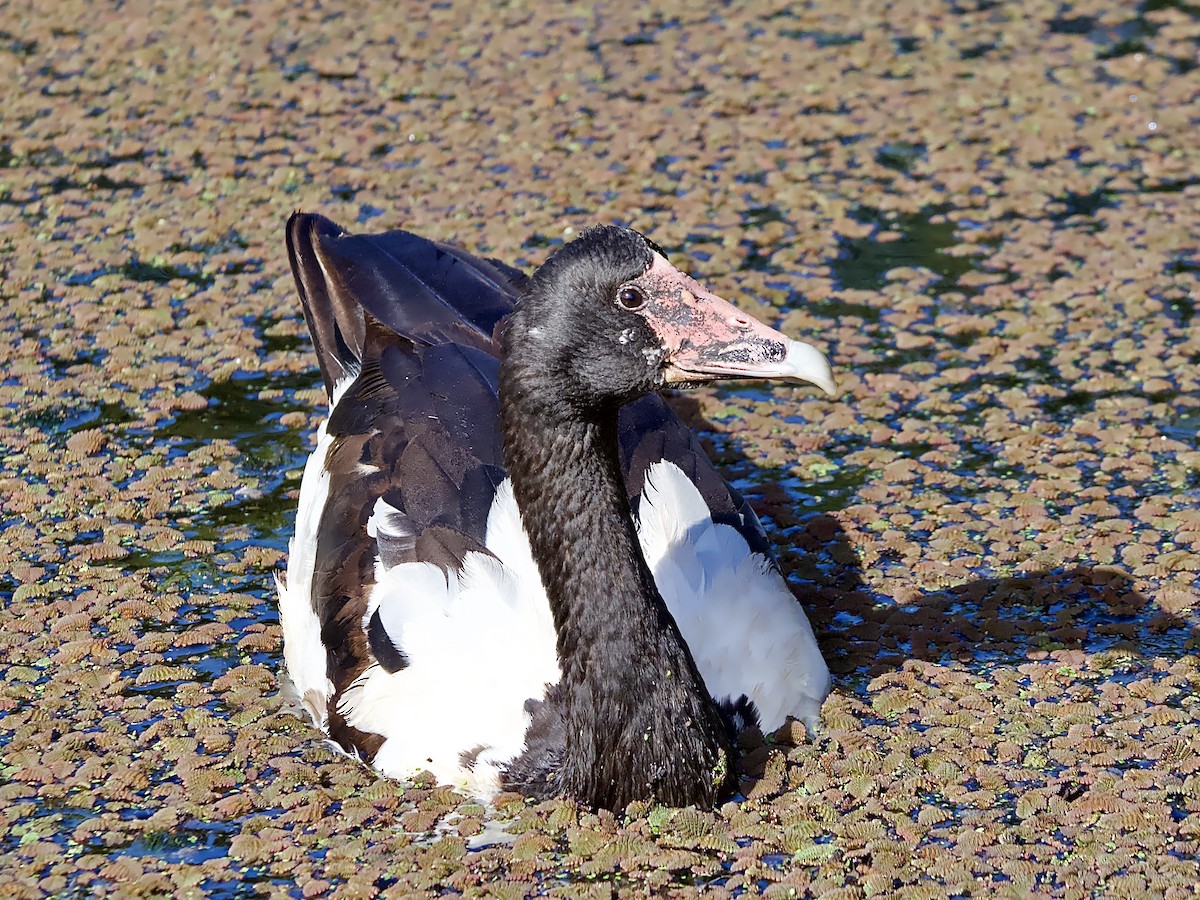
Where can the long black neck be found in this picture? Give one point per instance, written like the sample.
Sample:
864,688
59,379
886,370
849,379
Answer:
639,722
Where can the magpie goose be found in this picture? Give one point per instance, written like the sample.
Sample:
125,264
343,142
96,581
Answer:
513,564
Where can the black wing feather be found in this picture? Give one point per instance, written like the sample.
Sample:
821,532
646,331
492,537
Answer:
427,292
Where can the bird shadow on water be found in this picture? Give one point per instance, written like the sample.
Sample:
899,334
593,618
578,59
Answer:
985,622
867,627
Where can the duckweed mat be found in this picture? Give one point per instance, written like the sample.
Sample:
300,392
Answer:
988,213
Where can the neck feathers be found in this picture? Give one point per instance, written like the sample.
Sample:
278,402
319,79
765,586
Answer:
639,721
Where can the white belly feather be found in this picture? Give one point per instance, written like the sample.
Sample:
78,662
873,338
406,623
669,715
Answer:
480,643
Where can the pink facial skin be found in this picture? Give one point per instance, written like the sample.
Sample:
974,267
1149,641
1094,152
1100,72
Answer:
706,338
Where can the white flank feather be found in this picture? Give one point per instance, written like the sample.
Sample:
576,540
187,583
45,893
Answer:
479,641
745,629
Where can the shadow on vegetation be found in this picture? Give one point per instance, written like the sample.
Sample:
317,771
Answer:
986,621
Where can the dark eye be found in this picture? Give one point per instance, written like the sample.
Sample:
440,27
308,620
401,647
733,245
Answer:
631,297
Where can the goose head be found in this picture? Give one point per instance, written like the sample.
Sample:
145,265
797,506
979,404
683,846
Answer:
607,319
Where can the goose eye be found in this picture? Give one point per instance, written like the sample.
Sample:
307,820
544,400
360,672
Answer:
631,297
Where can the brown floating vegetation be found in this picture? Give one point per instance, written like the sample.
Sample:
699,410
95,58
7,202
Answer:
990,220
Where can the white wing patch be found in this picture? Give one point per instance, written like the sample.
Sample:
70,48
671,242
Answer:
480,642
747,632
